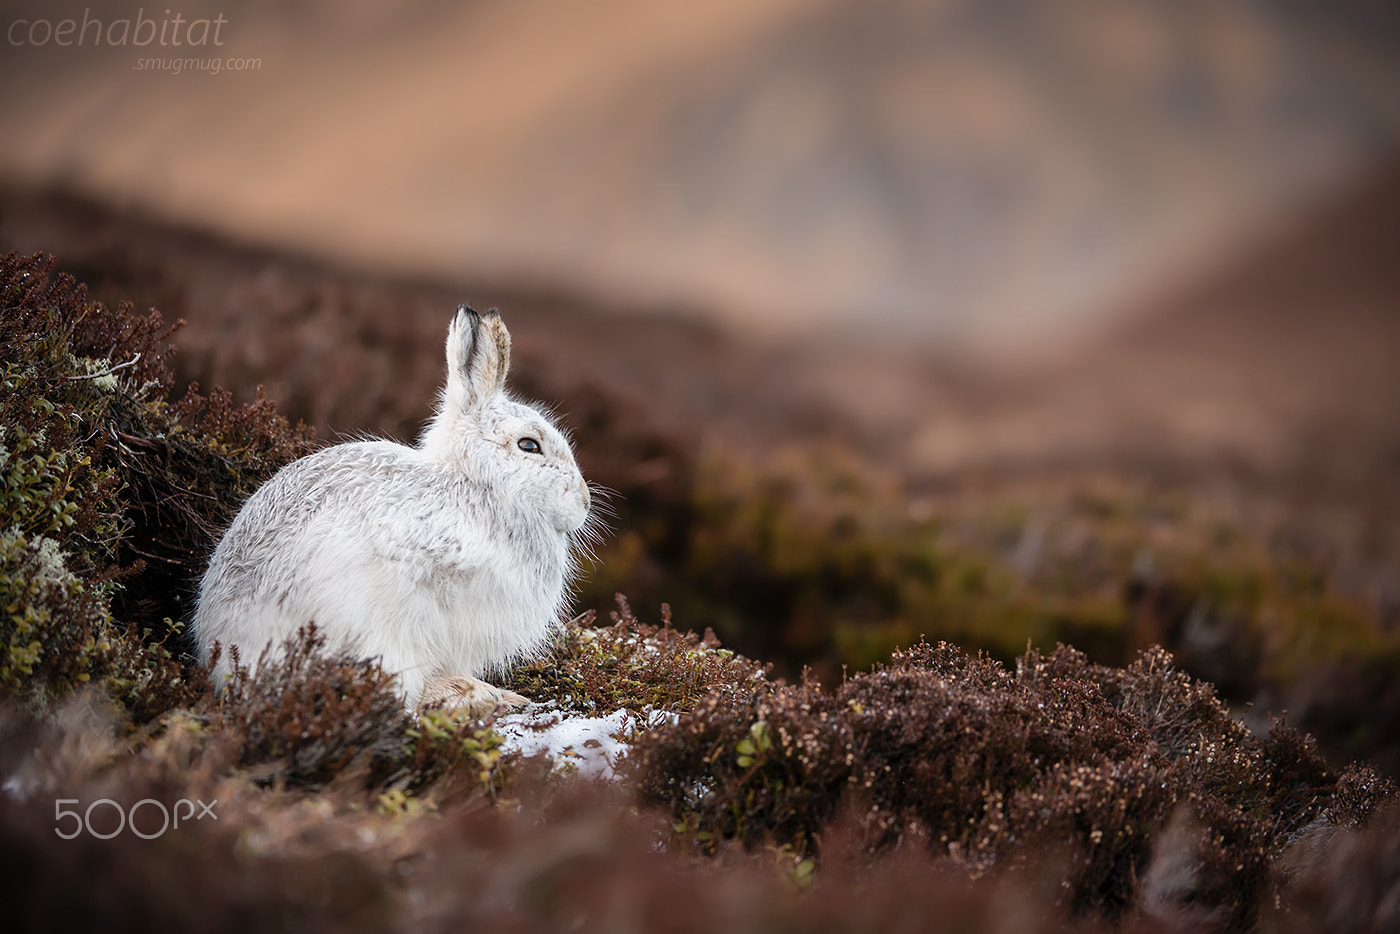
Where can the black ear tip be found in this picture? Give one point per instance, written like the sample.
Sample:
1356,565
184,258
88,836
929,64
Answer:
474,316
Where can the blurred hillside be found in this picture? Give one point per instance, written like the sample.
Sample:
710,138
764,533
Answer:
1006,174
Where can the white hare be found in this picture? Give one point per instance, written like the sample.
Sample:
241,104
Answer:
445,561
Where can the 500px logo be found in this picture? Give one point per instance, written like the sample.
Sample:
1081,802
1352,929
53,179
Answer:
83,820
171,31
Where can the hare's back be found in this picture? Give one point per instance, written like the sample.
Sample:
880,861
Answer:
352,483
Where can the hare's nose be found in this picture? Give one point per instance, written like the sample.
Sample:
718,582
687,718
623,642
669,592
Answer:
583,491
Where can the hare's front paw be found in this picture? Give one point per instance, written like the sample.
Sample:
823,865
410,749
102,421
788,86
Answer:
472,695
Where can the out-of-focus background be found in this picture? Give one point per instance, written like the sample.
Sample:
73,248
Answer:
935,253
1012,172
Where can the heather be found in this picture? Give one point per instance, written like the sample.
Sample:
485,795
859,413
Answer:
1022,736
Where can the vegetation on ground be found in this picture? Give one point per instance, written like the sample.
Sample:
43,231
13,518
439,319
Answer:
1037,788
813,558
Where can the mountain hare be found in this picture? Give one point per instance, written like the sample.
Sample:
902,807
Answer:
445,560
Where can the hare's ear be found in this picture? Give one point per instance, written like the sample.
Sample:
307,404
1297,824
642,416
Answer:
478,356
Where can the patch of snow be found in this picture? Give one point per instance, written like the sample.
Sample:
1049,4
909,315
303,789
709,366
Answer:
592,745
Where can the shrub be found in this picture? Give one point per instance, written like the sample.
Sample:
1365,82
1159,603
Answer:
112,494
630,664
813,557
995,769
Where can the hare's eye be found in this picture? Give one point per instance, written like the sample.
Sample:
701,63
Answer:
529,446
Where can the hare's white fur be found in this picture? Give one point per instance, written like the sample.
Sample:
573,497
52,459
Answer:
445,561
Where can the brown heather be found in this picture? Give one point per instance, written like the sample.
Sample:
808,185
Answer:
106,483
631,664
1112,773
938,790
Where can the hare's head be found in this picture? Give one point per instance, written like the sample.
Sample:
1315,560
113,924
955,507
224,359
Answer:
507,446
